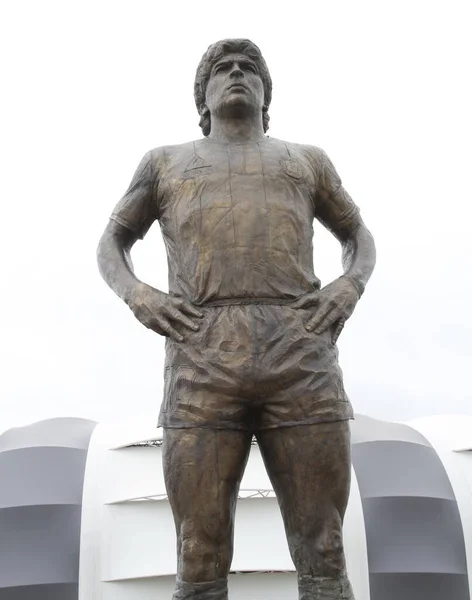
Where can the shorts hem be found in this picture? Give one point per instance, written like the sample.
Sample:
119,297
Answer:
313,421
235,427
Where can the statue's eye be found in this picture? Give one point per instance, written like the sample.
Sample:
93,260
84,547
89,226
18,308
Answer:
249,67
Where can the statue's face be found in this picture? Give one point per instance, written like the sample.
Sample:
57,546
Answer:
234,86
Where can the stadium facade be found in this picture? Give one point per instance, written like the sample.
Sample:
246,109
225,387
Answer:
84,514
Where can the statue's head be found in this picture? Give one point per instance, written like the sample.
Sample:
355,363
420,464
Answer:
214,79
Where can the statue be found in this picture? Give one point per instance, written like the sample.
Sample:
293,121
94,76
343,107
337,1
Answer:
250,334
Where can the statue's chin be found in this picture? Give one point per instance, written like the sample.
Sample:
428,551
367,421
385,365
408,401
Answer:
237,106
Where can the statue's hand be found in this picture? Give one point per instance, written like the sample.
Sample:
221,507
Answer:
336,303
160,312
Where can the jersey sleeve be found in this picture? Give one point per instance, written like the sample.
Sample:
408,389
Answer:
137,209
334,207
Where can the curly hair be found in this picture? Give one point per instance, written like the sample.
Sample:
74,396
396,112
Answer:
214,53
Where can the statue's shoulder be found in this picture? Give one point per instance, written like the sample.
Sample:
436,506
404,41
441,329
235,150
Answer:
165,157
163,152
312,154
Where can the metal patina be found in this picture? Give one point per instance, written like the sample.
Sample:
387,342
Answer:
250,333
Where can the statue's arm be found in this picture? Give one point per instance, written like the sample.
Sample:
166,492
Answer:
114,260
335,209
129,221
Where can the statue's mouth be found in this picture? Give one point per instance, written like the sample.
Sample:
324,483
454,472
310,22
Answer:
238,85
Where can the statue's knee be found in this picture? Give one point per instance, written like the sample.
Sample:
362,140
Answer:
203,557
320,553
197,559
329,550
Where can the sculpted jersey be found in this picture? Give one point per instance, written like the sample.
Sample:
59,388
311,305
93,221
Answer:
237,219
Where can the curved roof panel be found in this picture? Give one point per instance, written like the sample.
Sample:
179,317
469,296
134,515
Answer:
42,470
64,431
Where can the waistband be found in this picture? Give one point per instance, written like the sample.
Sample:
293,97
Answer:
249,301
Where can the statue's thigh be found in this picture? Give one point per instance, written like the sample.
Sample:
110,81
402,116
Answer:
310,469
203,469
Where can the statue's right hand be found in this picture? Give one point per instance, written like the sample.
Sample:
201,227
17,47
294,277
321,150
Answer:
160,312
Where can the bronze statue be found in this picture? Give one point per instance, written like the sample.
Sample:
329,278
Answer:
250,336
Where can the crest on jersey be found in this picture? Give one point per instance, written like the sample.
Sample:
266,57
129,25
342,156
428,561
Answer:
292,168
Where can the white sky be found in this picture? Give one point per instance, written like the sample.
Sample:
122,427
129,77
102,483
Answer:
90,86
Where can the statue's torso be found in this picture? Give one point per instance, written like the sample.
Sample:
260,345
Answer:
237,219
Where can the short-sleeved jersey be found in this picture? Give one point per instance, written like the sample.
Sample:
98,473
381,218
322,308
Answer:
237,219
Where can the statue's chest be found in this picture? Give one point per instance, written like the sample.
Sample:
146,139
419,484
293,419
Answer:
220,192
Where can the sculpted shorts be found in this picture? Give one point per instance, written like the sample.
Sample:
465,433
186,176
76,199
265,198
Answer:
252,367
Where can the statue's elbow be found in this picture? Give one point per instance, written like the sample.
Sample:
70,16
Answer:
368,244
103,251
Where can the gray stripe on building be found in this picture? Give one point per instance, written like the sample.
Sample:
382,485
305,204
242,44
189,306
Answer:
399,468
42,470
417,586
53,476
57,591
415,540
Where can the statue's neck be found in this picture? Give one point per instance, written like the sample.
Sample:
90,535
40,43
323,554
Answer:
236,130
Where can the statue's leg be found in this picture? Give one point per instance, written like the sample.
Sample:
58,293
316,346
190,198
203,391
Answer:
203,469
310,468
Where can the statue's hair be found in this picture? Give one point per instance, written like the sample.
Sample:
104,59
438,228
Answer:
214,53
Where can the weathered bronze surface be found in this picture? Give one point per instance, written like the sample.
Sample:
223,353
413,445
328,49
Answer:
250,336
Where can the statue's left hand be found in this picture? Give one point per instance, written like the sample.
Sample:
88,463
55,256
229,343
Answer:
336,303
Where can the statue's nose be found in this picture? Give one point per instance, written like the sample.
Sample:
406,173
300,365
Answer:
236,71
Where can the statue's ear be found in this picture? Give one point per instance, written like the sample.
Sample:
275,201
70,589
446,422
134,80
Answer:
205,121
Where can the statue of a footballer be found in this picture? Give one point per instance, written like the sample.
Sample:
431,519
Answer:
250,336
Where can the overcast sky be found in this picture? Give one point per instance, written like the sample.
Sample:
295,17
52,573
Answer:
88,87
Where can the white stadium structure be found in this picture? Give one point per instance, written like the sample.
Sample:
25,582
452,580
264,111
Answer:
84,515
